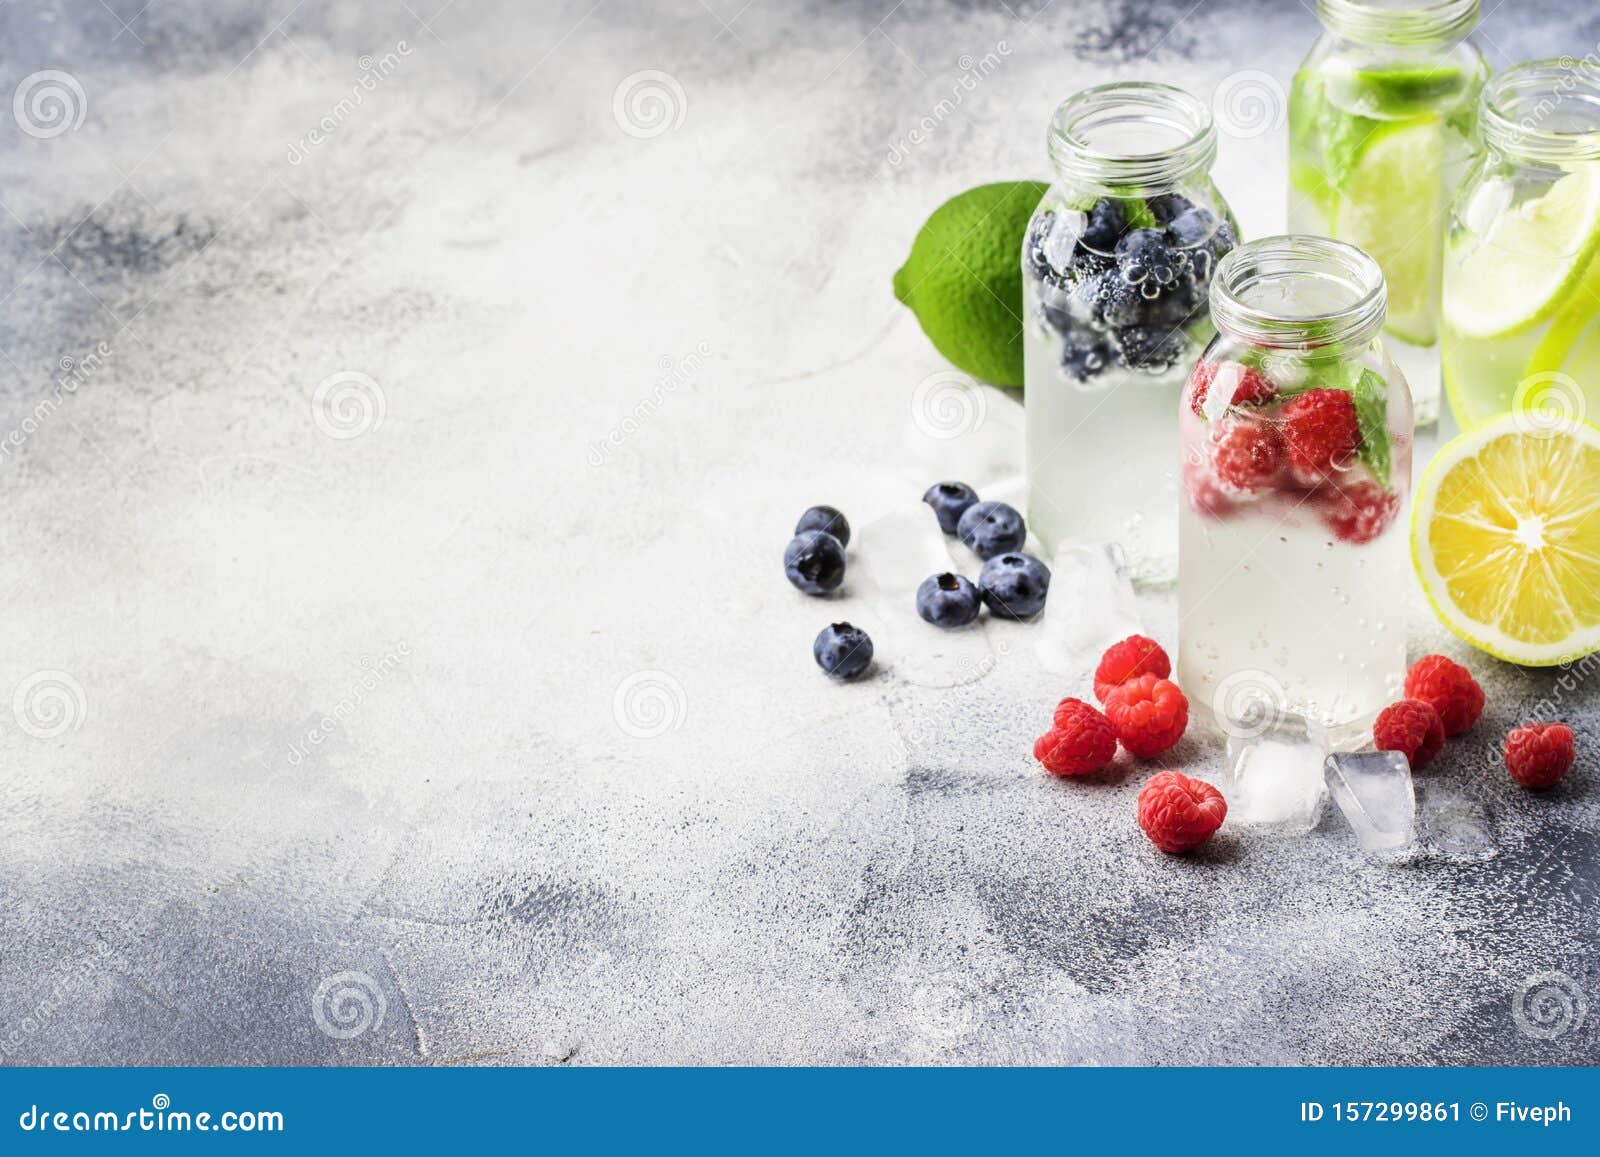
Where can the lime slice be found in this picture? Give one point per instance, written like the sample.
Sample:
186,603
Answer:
1532,257
1399,92
1505,537
1392,206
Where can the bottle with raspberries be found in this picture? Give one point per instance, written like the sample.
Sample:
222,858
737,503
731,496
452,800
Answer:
1117,266
1296,433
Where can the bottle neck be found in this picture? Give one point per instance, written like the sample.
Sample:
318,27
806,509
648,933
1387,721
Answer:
1412,22
1299,292
1131,136
1544,112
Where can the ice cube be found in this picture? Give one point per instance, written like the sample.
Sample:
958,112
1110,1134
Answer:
1091,605
1454,826
1373,790
1275,776
895,553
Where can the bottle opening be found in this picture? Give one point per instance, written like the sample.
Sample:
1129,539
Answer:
1546,110
1131,135
1399,21
1298,292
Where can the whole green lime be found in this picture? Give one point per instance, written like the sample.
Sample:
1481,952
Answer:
963,279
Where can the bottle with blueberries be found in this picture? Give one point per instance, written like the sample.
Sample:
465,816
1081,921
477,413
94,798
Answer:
1117,267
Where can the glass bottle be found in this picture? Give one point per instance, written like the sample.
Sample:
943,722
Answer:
1522,261
1117,267
1296,431
1381,133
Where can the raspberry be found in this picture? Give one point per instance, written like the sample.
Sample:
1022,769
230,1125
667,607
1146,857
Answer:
1321,432
1539,754
1179,813
1360,513
1135,655
1246,453
1449,689
1205,493
1254,388
1410,727
1148,714
1080,740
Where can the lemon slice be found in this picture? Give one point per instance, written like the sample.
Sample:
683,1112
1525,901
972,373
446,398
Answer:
1393,207
1530,260
1505,537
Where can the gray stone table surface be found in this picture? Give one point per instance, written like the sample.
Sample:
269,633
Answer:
405,406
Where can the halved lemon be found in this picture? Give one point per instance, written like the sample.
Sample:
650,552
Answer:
1505,536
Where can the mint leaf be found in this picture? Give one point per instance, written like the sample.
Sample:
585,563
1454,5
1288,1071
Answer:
1371,396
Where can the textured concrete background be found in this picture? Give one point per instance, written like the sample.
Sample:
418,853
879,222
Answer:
401,667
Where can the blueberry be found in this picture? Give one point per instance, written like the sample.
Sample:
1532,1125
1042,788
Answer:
1144,255
1084,354
825,518
814,562
1168,207
948,600
842,651
1108,220
1087,263
1150,347
1192,228
1114,299
991,528
1177,304
1014,585
1057,318
949,501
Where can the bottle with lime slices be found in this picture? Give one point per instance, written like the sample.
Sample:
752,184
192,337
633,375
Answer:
1522,275
1382,131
